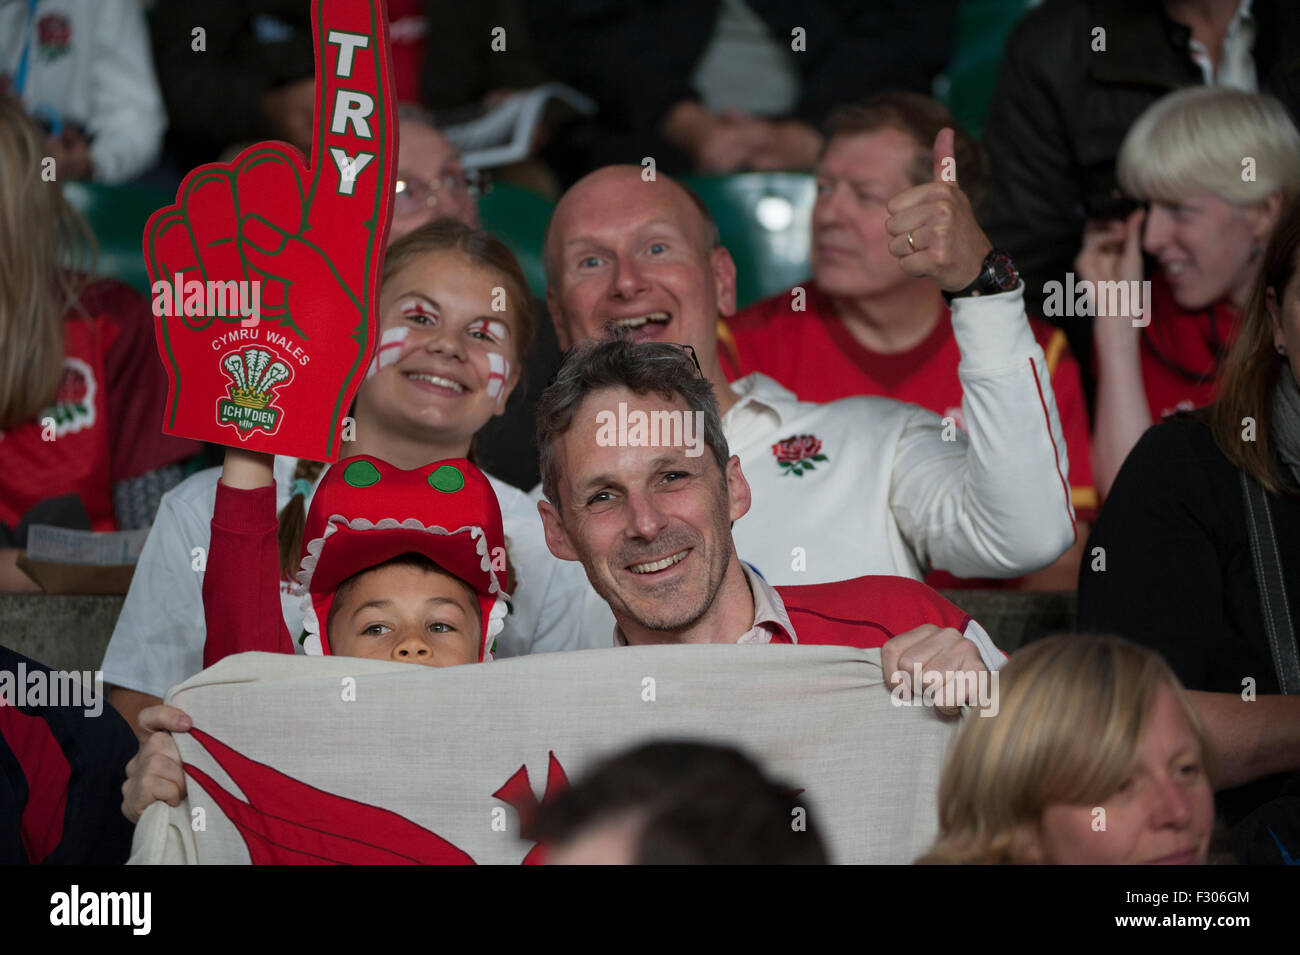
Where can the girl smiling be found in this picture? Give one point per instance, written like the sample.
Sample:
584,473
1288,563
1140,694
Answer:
454,325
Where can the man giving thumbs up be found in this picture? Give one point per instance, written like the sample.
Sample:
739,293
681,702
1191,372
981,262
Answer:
906,288
935,233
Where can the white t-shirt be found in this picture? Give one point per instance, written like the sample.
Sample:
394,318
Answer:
90,61
158,639
891,489
1236,61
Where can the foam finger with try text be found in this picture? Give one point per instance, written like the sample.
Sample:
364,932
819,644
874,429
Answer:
266,270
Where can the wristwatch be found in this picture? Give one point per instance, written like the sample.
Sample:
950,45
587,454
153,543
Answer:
997,274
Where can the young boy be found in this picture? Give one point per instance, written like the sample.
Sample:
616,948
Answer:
396,565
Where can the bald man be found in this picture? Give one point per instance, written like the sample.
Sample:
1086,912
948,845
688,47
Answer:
858,486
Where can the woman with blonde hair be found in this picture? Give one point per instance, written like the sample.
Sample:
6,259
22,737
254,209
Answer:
1213,166
1196,553
1095,755
80,381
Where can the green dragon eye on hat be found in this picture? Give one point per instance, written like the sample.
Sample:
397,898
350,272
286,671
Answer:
366,511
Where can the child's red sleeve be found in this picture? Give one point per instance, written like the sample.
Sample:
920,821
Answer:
241,593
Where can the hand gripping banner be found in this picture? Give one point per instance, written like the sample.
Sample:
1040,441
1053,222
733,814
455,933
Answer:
266,270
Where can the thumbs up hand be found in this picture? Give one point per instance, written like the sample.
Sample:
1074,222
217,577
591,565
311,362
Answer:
932,226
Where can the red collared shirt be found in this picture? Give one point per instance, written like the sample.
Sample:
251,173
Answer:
863,612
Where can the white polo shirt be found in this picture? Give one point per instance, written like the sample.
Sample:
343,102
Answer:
891,490
158,639
884,487
92,63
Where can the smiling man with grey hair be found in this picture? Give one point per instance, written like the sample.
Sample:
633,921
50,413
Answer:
643,370
651,525
853,487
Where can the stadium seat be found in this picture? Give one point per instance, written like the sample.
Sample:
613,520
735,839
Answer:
972,76
518,217
71,631
118,215
765,221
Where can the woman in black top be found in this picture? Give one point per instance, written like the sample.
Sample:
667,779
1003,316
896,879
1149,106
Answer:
1171,563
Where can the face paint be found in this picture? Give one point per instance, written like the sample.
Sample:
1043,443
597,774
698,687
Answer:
498,371
389,350
419,308
490,327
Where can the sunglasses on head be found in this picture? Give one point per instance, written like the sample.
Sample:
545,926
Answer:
688,349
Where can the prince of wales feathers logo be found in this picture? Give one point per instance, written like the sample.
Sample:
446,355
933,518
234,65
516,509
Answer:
254,374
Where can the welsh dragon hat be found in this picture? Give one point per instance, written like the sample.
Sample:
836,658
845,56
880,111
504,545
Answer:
365,512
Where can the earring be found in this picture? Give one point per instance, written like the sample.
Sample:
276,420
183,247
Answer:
1281,350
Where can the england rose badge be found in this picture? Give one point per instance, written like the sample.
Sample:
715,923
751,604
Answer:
265,272
796,454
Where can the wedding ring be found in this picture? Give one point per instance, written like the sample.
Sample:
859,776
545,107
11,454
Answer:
910,242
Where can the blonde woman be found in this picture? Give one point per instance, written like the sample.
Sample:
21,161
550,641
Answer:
80,381
1201,537
1214,166
1095,756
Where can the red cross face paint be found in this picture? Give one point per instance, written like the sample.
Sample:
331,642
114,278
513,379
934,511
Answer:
389,351
412,309
498,372
493,330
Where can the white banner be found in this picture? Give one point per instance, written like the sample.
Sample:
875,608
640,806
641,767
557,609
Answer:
332,759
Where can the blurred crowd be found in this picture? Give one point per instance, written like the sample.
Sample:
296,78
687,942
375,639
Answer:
1058,352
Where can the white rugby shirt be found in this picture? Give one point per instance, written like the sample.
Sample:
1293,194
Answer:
895,491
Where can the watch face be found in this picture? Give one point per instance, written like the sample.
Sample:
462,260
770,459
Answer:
1002,270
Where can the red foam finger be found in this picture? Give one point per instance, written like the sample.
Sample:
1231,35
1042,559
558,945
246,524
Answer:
169,250
209,204
307,241
270,183
169,246
355,140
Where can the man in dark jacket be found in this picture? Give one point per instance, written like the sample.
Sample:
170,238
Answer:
1075,76
63,757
